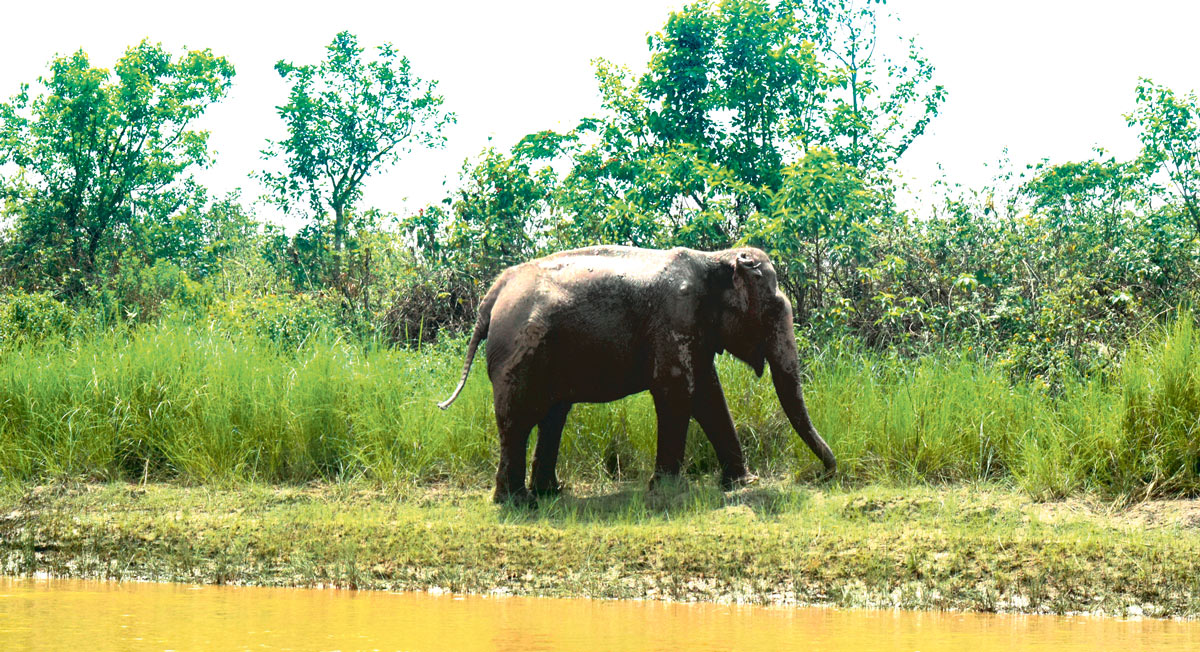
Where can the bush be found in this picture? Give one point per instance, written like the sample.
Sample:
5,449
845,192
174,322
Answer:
144,294
1156,449
428,306
173,401
285,320
33,317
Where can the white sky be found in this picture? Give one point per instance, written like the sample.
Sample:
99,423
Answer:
1047,78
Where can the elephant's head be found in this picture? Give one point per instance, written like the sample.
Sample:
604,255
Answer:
756,327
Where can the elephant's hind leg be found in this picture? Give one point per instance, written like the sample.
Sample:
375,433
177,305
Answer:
545,456
514,430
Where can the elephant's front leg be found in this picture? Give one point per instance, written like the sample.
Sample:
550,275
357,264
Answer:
672,404
545,456
712,413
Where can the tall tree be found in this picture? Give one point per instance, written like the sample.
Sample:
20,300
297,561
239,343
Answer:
736,93
347,117
98,151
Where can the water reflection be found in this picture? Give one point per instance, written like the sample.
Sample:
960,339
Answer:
77,615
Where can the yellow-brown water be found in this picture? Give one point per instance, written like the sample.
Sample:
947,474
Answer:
77,615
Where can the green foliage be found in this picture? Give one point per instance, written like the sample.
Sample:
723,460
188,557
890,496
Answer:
497,216
1170,135
1053,268
502,214
878,106
143,293
494,215
200,234
31,318
737,92
102,157
284,320
428,304
817,225
1157,448
347,118
202,404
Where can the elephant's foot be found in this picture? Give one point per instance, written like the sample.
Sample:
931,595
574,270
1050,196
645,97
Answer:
546,489
517,498
662,480
731,482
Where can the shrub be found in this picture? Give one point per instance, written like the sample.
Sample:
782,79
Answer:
145,293
285,320
32,317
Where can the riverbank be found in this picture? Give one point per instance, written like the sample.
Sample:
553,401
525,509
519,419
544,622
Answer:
974,547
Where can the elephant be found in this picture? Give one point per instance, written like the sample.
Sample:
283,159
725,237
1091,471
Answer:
597,324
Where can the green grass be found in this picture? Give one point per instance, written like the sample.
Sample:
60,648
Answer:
193,404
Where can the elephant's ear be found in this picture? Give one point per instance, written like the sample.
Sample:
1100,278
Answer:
746,271
742,321
747,288
746,262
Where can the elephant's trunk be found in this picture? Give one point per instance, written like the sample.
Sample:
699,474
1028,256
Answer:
785,373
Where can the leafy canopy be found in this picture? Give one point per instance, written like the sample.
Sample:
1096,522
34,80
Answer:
348,117
1170,135
102,156
736,94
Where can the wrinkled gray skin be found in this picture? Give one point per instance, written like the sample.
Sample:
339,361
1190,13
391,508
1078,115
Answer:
597,324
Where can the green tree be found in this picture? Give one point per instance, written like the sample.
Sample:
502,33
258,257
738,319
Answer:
497,217
1086,188
875,106
100,152
737,92
816,227
1170,135
201,234
347,117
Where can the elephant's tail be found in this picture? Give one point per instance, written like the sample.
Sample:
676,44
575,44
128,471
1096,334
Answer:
481,331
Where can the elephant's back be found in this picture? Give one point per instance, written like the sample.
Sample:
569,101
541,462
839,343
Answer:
604,292
580,319
613,269
600,265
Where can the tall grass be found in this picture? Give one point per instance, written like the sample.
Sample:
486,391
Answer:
194,404
199,405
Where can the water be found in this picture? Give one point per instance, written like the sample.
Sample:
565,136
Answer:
80,615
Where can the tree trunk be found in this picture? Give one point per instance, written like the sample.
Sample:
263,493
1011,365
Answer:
339,238
1194,212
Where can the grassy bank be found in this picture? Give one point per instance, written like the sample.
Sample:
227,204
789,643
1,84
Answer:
979,547
193,404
